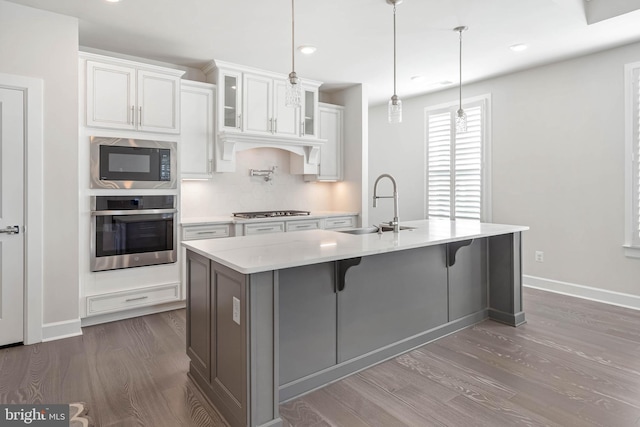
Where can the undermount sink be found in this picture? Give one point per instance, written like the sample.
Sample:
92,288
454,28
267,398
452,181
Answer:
371,230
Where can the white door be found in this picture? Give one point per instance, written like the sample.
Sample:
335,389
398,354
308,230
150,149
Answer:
11,215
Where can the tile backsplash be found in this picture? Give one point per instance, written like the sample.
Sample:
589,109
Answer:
238,192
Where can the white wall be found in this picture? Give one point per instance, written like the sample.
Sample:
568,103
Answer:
44,45
558,164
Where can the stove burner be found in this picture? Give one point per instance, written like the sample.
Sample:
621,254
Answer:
269,214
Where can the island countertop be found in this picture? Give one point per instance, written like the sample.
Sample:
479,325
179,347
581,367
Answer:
254,254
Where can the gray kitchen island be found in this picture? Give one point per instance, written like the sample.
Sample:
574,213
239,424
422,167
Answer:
270,317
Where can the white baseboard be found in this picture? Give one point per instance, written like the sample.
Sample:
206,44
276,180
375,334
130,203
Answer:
127,314
585,292
58,330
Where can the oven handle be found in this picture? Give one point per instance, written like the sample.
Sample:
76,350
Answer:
133,212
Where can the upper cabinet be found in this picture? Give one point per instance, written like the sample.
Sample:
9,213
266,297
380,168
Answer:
253,101
196,129
252,113
331,129
127,95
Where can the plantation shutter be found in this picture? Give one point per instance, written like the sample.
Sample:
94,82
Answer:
468,167
439,165
454,164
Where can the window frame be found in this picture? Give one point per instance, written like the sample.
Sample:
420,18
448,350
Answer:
632,147
485,102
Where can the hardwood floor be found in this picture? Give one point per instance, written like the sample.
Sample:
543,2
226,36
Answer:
575,363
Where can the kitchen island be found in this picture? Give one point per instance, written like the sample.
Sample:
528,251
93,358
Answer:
270,317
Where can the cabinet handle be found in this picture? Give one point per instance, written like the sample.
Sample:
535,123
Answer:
239,126
339,222
206,232
265,229
140,116
135,299
276,122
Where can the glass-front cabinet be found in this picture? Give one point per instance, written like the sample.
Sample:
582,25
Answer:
309,112
231,110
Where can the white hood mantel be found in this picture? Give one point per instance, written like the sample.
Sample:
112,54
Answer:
306,150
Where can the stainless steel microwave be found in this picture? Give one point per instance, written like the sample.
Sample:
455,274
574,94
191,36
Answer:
132,163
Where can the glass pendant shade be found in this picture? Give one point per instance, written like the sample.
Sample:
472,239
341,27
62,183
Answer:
461,121
395,110
293,93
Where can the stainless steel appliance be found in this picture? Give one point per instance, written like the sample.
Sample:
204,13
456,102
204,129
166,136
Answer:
132,231
132,163
268,214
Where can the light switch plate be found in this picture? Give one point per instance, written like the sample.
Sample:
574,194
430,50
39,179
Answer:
236,310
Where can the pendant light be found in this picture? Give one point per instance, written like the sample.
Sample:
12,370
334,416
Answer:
461,117
395,104
293,94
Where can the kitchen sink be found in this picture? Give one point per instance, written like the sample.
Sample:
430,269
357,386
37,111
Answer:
371,230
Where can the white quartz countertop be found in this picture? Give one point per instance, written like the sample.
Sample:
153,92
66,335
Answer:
187,222
258,253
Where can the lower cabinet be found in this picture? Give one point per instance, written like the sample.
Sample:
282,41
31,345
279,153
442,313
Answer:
216,334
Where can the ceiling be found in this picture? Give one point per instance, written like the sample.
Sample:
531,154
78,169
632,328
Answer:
355,37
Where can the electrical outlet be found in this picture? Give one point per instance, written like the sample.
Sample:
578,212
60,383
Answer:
539,256
236,310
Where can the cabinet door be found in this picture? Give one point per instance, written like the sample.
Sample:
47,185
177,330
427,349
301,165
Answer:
309,112
158,106
110,96
230,90
257,104
390,297
468,280
199,306
307,308
196,130
285,118
331,151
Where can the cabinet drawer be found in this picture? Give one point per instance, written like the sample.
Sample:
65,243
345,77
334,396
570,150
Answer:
264,228
340,222
205,232
117,301
303,225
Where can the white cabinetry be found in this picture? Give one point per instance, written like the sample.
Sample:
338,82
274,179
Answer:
205,231
196,135
264,228
331,117
127,95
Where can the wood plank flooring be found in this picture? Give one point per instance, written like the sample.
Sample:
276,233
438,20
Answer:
575,363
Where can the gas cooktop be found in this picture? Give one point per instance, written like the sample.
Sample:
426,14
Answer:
269,214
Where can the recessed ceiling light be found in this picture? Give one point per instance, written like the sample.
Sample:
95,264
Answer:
518,47
112,1
307,50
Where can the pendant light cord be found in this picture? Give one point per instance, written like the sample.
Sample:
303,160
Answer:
460,62
293,44
394,49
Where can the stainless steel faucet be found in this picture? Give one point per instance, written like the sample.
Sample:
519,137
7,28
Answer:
395,223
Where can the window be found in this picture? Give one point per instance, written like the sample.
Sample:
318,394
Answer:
457,166
632,170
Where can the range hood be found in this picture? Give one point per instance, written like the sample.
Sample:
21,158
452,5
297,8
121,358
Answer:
305,151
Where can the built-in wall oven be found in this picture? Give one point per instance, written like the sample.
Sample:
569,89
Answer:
132,231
